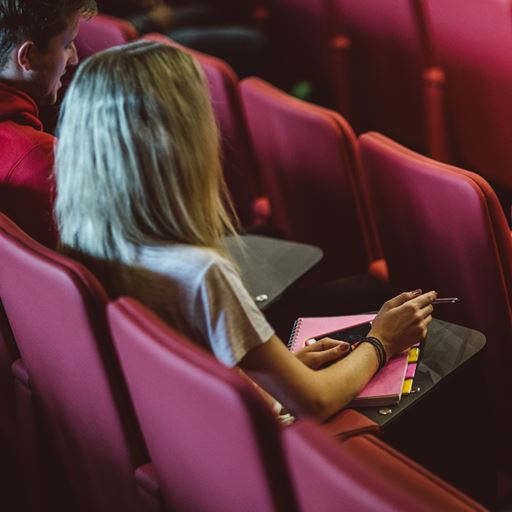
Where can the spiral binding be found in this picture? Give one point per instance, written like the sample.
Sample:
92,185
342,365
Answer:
294,333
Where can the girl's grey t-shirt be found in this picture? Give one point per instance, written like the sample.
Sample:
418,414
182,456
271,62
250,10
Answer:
199,293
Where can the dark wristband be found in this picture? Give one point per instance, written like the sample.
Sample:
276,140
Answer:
379,350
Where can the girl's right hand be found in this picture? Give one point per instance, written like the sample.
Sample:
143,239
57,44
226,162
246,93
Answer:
402,321
323,352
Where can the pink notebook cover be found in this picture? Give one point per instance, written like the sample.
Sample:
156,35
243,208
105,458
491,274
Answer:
311,327
385,388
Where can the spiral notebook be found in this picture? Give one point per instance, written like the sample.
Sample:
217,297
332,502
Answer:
388,385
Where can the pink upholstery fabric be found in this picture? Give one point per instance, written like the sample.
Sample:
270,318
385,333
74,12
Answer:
362,474
213,442
311,173
442,228
238,158
473,41
8,354
56,312
102,32
387,55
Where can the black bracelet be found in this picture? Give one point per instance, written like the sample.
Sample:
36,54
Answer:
379,350
382,349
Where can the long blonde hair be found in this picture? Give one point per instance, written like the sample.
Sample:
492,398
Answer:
137,160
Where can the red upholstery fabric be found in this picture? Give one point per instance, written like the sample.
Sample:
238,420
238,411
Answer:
387,55
473,41
238,158
56,312
311,173
8,354
102,32
442,228
213,442
35,471
362,474
26,165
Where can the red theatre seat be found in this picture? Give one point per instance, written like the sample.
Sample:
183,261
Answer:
311,173
56,310
442,228
473,41
213,442
362,474
102,32
386,63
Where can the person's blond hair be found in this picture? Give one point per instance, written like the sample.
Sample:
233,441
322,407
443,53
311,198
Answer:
137,161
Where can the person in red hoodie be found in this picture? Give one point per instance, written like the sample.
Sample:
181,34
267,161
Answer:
36,48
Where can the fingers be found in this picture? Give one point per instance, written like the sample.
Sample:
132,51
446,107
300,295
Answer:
330,355
423,325
324,344
401,299
424,300
426,311
323,352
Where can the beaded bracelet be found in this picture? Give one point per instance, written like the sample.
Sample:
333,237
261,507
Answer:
379,350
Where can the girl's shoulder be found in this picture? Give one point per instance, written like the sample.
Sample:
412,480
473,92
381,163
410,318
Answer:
183,258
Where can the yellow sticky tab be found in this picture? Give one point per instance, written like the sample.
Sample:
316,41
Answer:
406,389
414,353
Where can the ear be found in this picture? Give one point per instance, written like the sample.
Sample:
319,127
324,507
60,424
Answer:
25,55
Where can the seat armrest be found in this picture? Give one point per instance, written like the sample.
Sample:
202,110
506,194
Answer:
436,124
148,488
379,270
20,372
339,54
349,423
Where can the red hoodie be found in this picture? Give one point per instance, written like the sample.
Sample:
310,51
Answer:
26,166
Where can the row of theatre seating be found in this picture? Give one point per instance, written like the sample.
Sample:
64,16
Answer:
434,75
106,408
440,227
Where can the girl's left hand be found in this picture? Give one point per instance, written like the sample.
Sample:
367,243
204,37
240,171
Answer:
323,352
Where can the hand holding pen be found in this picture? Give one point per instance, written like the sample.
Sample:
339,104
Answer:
440,300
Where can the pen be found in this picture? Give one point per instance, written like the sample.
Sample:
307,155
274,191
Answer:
446,300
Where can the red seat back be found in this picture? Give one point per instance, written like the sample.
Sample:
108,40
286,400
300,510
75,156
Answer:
442,228
311,173
473,42
237,154
56,310
213,442
102,32
362,474
387,56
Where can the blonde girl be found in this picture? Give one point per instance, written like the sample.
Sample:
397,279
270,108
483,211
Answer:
142,202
